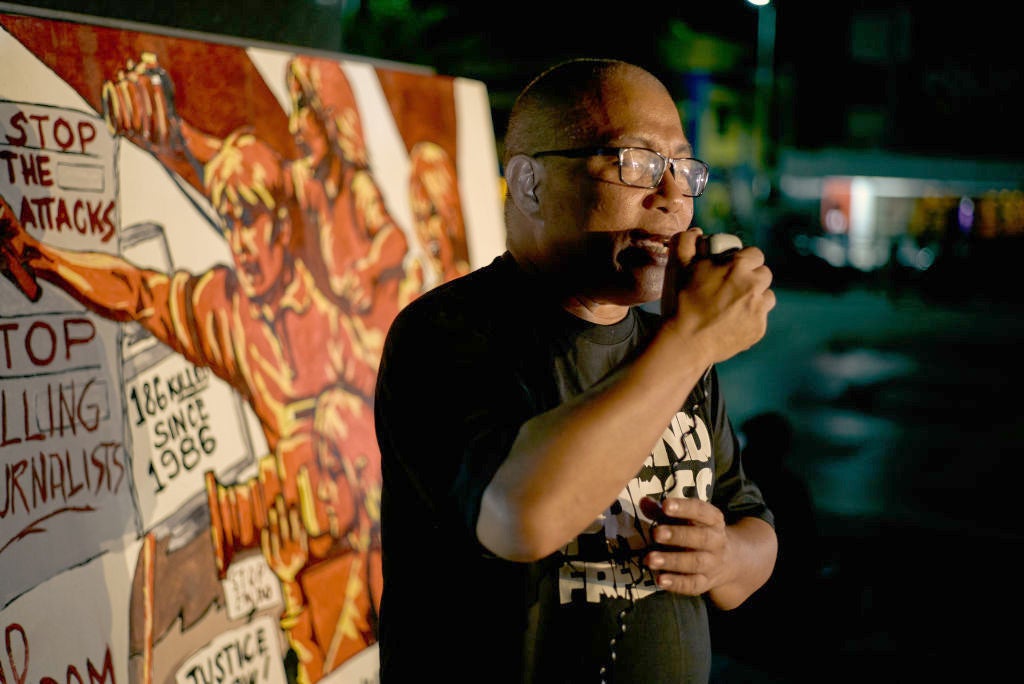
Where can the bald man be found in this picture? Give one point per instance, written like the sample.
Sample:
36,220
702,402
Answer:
562,487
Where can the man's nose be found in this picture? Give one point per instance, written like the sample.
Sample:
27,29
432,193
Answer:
669,195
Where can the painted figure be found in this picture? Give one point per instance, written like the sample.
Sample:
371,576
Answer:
267,329
437,213
355,256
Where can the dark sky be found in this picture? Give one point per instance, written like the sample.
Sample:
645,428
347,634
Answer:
946,77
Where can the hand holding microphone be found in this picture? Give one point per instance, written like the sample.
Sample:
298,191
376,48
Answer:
722,292
718,247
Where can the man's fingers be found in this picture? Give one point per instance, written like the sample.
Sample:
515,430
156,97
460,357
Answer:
678,509
682,248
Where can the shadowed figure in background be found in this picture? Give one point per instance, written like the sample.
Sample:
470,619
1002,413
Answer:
753,632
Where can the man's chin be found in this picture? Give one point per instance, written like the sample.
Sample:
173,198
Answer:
648,282
636,287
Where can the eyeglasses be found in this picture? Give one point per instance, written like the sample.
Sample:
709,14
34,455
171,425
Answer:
644,168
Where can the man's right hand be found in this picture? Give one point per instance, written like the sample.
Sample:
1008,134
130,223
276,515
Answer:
725,302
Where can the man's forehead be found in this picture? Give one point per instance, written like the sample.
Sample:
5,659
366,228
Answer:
640,117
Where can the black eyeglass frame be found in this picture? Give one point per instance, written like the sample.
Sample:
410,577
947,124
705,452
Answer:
580,152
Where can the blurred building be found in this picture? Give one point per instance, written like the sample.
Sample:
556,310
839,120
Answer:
891,150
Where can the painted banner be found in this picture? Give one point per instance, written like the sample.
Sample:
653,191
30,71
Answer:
203,243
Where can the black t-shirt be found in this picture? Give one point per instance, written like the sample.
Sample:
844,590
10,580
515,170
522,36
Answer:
464,366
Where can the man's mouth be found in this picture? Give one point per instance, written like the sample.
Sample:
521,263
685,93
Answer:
655,246
646,251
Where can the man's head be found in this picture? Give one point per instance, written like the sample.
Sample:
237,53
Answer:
249,189
576,212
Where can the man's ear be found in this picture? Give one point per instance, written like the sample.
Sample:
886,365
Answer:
521,176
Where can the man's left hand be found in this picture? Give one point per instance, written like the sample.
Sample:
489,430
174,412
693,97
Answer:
691,548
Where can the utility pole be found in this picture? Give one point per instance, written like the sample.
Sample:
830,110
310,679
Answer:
764,83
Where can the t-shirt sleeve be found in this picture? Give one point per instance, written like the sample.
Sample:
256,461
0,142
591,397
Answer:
448,406
735,494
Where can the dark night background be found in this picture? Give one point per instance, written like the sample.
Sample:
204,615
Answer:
901,387
945,77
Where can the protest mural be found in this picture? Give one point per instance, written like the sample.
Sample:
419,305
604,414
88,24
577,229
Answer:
203,243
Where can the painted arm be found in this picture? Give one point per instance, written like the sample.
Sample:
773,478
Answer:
106,284
138,103
382,244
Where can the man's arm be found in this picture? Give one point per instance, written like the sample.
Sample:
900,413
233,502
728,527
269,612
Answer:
568,464
754,550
